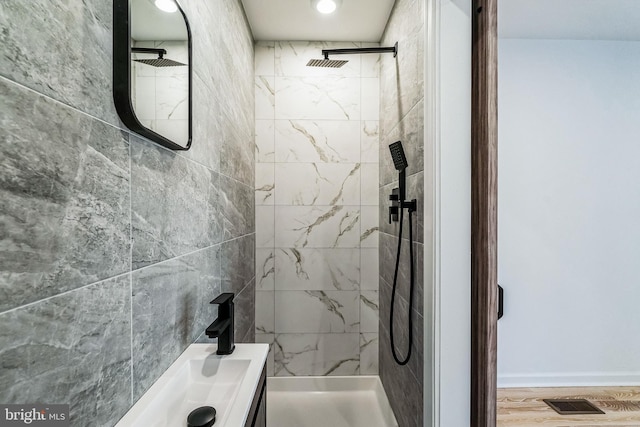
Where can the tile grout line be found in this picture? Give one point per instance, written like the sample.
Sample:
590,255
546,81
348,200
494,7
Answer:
193,252
131,269
361,229
273,246
120,128
117,276
360,82
64,104
99,282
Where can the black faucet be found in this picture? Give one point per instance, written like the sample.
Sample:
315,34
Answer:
222,327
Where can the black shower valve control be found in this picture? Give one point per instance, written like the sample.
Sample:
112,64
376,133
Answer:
394,209
393,214
397,204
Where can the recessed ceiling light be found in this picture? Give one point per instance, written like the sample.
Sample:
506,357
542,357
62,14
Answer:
325,6
169,6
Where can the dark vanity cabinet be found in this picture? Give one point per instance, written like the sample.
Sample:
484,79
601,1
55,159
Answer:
258,412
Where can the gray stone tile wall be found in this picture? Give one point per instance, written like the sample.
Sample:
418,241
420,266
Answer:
175,206
62,50
402,118
59,168
72,348
170,310
112,247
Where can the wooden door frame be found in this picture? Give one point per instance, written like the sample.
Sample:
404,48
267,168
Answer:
484,215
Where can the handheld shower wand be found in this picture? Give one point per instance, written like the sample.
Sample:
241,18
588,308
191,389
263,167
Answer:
399,204
400,162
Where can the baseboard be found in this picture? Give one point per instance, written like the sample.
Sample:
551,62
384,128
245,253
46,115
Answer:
578,379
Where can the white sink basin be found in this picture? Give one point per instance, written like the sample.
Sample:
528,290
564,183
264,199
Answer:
201,378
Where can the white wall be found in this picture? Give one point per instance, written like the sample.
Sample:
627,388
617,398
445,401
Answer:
453,212
569,212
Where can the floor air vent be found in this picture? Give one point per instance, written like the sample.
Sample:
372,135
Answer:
573,406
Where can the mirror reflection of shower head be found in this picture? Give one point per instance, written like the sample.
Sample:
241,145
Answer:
161,61
397,154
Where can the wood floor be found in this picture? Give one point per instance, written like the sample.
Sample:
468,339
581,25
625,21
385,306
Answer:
523,407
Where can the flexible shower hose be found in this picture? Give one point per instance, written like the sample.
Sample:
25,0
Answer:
393,292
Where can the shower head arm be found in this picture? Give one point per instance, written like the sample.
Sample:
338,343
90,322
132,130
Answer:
393,49
159,52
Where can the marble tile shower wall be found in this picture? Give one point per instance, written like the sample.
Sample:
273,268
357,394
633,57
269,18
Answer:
317,210
402,118
111,247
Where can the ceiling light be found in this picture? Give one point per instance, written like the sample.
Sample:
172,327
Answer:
325,6
169,6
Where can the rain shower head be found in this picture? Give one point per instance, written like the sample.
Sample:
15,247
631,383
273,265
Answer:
327,63
397,154
161,61
334,63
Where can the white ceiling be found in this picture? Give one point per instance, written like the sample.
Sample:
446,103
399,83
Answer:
150,23
355,20
365,20
570,19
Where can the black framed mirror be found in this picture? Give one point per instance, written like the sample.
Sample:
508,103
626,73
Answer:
152,64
